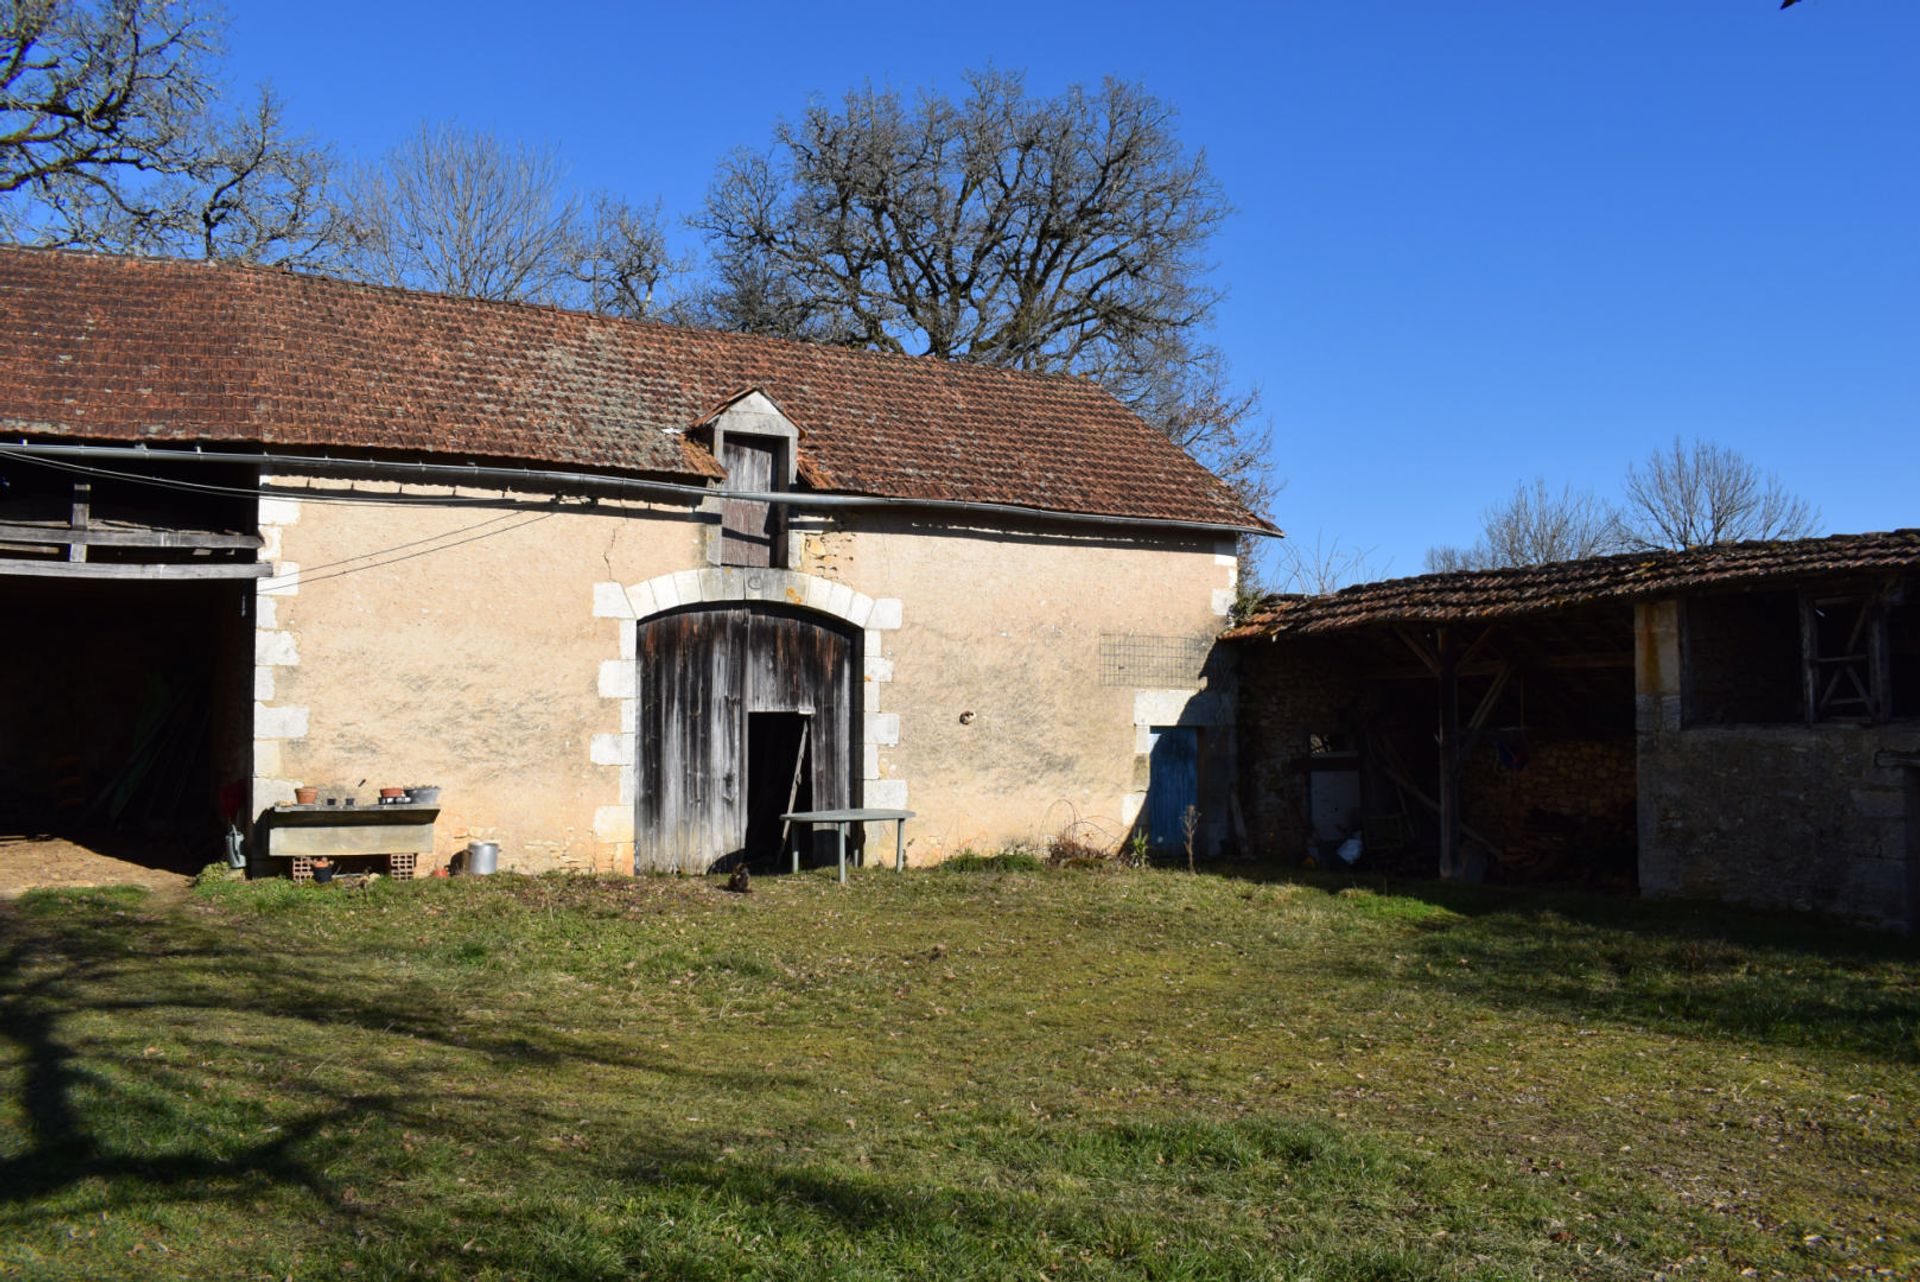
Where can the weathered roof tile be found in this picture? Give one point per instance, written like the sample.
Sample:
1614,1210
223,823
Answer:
108,348
1533,589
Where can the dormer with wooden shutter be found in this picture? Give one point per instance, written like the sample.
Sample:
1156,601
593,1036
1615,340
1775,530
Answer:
757,445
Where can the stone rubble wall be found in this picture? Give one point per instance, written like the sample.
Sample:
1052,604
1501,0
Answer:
1775,816
1791,816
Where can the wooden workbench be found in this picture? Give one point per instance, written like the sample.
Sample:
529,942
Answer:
305,833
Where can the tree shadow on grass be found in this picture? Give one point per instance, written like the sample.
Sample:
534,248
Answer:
63,1150
682,1205
1073,1199
1772,978
675,1205
1825,937
98,953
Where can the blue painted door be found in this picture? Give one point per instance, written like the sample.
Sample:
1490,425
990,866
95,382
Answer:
1173,783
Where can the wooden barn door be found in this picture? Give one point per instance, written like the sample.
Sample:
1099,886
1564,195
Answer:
692,686
702,673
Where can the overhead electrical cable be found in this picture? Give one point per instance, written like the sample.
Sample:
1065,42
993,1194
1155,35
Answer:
302,578
241,491
305,570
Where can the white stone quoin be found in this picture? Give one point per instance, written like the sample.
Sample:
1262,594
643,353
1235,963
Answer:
274,649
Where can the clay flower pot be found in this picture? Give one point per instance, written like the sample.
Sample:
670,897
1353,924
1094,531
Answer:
306,796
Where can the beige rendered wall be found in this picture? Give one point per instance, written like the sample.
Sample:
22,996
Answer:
474,663
495,660
1007,627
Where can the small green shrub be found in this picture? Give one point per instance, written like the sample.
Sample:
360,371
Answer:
1015,860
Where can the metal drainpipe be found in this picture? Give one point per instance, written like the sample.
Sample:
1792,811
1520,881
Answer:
489,475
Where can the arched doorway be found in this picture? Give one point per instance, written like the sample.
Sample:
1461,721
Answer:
744,710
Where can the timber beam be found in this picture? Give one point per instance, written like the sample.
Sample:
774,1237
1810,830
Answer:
102,536
1492,667
150,571
1449,653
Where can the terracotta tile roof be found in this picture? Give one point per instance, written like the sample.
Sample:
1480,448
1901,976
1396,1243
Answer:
1536,589
117,349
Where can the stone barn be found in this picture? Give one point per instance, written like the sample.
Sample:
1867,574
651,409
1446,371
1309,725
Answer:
624,593
1738,722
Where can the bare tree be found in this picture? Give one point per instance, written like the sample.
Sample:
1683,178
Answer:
1059,234
458,211
93,91
1690,496
622,261
1324,567
242,190
111,138
1186,391
255,195
1536,526
1003,229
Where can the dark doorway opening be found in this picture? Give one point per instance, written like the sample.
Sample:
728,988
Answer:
779,770
726,691
125,727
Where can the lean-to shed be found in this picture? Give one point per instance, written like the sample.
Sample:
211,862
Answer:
1738,722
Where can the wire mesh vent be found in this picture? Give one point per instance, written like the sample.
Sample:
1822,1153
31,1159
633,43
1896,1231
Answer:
1130,659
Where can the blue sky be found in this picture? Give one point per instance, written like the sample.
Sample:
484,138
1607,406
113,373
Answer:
1475,241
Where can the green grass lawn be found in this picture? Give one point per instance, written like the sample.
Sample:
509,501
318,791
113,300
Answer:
952,1074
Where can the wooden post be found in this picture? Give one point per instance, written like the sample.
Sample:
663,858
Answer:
1809,658
82,516
1449,679
1879,661
793,793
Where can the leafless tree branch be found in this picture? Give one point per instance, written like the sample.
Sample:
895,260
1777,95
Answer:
1323,567
1536,526
110,138
92,88
1690,496
622,260
1061,234
1682,496
458,211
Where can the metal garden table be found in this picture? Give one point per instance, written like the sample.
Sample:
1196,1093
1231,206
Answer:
843,819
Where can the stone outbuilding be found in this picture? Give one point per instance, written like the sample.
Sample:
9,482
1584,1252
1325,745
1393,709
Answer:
624,592
1739,722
